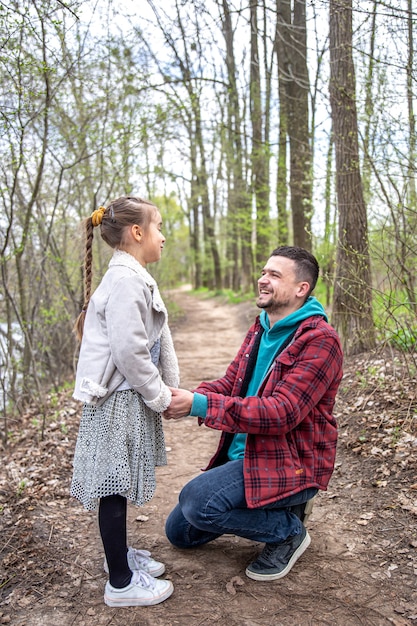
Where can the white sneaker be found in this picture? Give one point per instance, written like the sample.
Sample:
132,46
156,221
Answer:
144,590
141,560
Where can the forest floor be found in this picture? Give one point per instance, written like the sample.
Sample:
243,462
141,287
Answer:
361,567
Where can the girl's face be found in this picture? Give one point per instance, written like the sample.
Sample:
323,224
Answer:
152,241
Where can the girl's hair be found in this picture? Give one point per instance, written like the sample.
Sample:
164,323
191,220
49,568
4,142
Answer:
113,220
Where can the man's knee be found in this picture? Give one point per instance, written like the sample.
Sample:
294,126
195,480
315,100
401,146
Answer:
191,501
175,528
181,533
190,509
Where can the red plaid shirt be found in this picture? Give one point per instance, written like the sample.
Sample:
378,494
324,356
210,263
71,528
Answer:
292,434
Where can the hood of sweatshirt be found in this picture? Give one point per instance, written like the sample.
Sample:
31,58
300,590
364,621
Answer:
288,324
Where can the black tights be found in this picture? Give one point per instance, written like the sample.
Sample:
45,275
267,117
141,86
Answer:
112,514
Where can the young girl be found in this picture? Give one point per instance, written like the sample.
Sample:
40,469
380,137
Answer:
126,364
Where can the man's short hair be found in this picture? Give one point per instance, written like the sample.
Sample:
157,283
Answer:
306,263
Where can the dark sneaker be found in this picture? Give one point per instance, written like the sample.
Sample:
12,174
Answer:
277,559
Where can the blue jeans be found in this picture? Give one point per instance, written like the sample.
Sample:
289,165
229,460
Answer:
214,504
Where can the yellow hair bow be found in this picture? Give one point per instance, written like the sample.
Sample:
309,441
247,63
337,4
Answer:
97,215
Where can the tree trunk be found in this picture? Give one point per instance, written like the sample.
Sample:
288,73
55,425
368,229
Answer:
239,227
294,74
283,17
352,307
369,109
412,195
260,181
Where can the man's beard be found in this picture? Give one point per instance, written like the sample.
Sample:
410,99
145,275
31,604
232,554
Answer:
272,304
263,304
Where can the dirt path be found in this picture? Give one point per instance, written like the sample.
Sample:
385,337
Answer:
360,568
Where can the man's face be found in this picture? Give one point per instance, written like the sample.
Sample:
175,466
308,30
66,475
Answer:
279,291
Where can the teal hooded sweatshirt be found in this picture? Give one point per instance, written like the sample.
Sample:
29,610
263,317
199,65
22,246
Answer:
271,341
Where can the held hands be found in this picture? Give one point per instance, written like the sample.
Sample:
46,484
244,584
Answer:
180,406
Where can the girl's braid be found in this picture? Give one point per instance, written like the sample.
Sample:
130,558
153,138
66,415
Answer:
88,277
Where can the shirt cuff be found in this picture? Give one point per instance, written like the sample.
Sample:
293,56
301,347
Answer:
199,405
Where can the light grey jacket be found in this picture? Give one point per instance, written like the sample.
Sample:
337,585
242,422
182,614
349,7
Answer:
125,317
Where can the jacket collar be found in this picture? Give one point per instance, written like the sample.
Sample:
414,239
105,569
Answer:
309,322
120,257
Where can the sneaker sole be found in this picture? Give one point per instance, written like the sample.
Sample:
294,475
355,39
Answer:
156,571
120,602
301,548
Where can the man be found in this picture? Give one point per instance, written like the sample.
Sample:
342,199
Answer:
274,408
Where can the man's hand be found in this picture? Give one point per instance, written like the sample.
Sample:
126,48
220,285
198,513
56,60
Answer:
180,406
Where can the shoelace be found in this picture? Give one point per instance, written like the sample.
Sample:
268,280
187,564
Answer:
274,552
142,579
140,558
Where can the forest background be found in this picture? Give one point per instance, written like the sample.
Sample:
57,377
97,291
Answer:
250,125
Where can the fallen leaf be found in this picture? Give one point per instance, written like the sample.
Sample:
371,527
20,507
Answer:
230,585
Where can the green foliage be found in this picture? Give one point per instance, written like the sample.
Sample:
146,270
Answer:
175,312
396,433
226,295
325,252
404,339
320,292
235,298
174,268
362,379
362,437
66,386
53,400
395,320
21,487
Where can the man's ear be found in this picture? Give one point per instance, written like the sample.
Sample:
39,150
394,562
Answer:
303,289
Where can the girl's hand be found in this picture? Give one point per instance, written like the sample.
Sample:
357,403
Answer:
180,406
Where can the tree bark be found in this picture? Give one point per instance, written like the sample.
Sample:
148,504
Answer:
260,181
352,306
239,230
294,73
283,18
